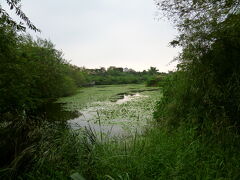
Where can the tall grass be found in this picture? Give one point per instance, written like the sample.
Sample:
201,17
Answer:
163,155
158,154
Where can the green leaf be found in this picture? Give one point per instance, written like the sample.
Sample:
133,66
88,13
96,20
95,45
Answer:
77,176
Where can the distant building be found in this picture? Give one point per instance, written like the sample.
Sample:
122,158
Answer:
128,70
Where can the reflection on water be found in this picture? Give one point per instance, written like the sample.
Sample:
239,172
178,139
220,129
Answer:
88,117
77,119
127,98
113,130
55,112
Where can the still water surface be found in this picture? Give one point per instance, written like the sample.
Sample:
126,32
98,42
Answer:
120,115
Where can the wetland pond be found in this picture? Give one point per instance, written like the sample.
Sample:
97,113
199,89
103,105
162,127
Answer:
113,110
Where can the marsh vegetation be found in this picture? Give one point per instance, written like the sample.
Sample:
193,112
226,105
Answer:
113,110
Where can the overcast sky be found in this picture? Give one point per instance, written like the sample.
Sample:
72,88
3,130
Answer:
102,33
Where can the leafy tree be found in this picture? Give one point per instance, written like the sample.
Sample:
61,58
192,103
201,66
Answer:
32,72
205,90
152,70
197,21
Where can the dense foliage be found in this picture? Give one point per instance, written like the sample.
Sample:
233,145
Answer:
119,75
203,95
205,90
32,72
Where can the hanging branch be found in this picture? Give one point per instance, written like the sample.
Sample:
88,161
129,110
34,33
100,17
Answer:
14,5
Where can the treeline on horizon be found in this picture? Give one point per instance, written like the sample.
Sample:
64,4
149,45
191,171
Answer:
119,75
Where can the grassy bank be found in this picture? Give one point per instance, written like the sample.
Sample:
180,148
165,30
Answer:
157,154
163,155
